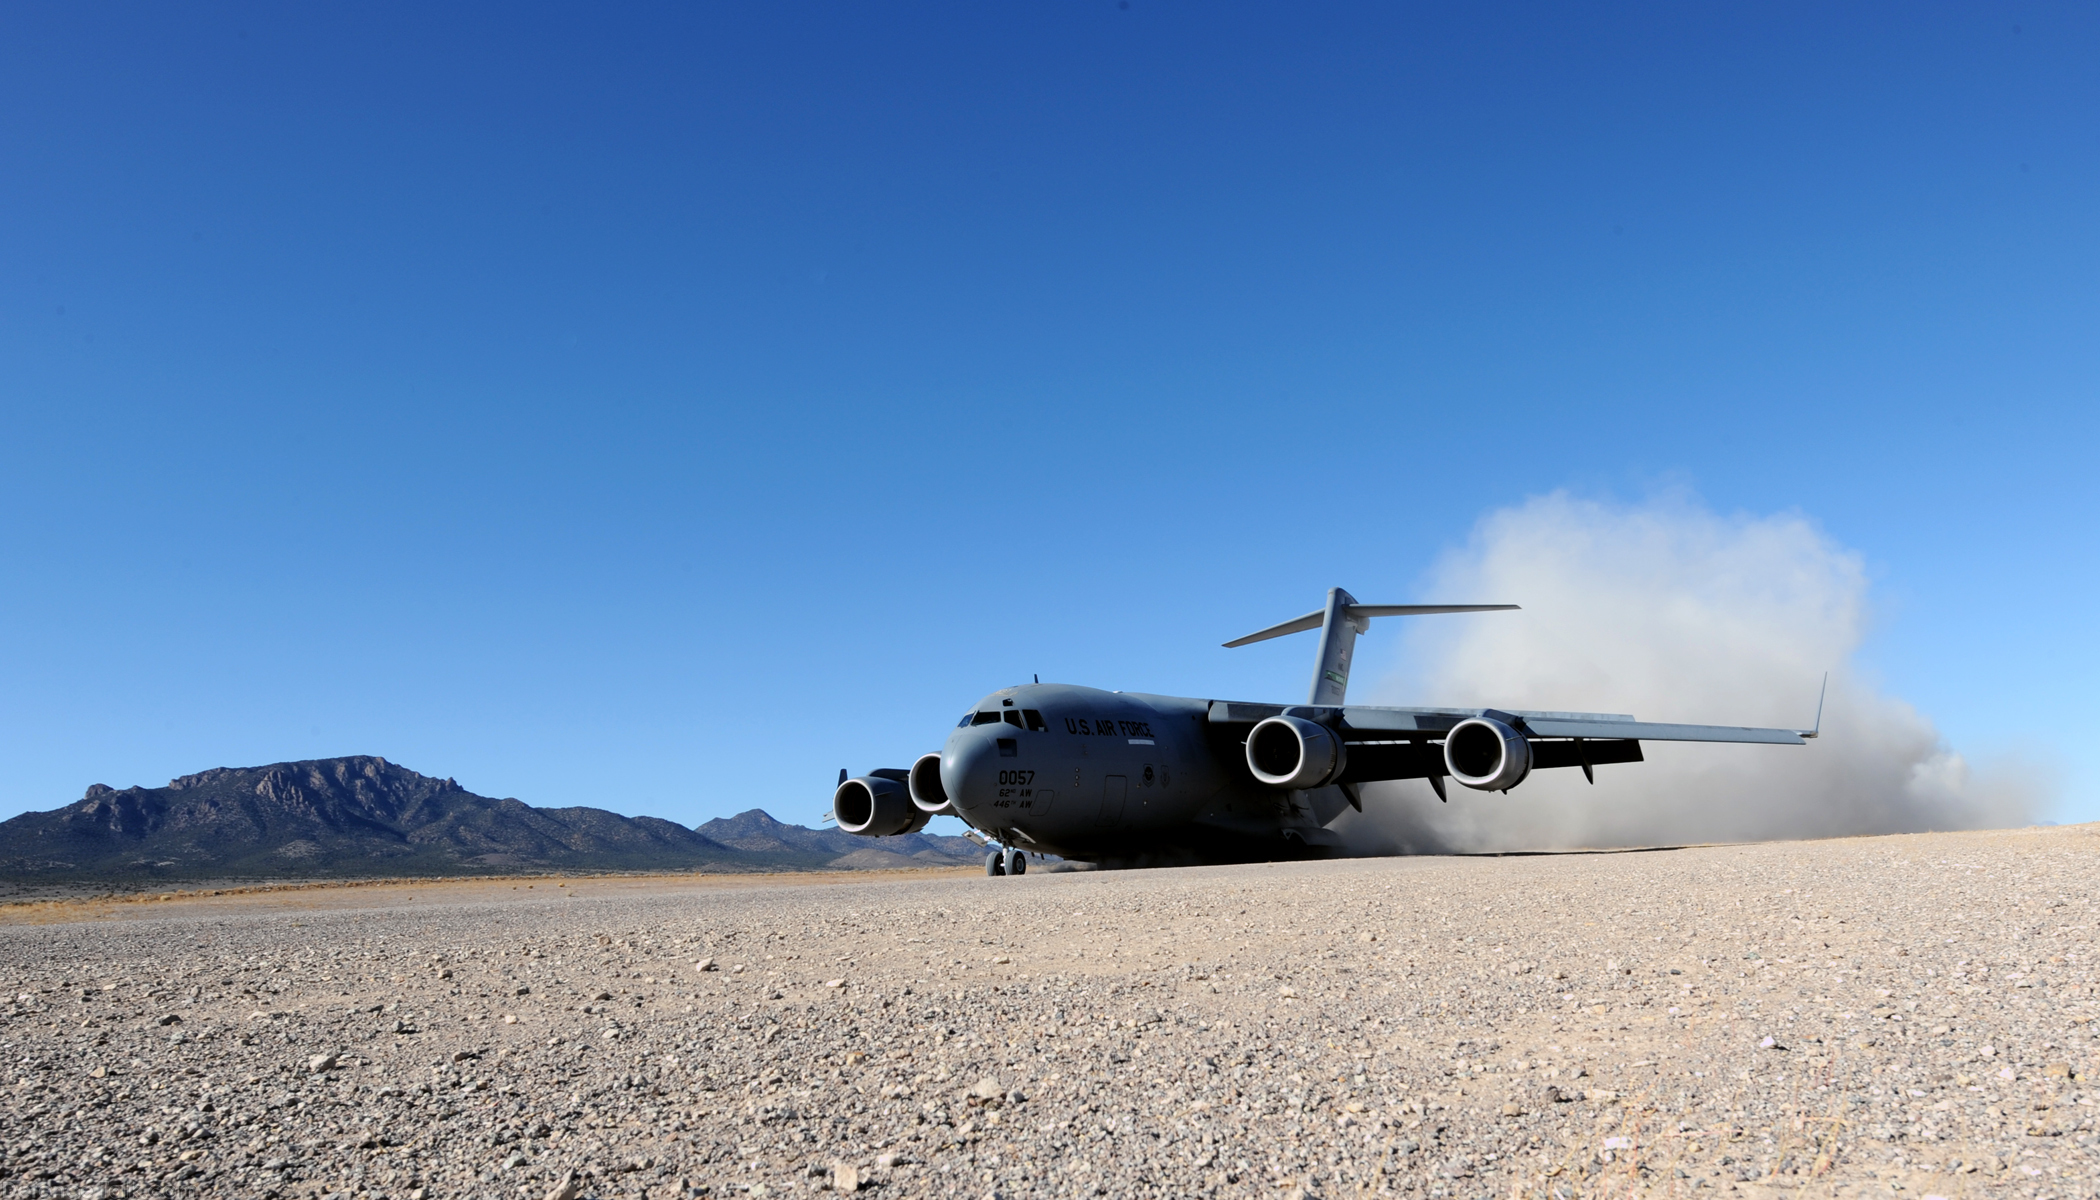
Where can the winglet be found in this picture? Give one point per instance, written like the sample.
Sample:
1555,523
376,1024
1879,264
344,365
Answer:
1820,694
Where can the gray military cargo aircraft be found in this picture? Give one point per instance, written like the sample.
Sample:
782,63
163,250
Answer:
1127,779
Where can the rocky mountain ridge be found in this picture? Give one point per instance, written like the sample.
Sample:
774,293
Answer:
363,816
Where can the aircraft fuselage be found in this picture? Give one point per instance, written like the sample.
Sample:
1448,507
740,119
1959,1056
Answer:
1119,776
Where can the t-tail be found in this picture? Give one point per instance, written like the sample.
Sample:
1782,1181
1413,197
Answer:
1339,623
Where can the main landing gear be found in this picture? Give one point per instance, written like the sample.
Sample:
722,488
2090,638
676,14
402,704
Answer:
1005,862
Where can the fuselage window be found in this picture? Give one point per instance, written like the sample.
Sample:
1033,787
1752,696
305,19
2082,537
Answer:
984,718
1013,718
1035,720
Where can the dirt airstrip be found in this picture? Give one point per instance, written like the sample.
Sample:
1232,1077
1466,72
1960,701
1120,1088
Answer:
1882,1016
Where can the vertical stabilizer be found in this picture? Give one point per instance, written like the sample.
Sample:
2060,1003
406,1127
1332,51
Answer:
1338,630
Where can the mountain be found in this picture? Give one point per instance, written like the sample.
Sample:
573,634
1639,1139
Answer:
364,816
754,832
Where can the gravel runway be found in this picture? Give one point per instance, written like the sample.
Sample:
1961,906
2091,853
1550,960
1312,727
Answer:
1886,1016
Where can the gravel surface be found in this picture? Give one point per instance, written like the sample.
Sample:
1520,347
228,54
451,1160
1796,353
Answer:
1844,1017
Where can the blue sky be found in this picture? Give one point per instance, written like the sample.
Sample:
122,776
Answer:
661,407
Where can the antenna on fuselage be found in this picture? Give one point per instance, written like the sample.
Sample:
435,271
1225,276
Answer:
1339,623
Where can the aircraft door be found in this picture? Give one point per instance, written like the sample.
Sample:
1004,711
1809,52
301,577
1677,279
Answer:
1113,789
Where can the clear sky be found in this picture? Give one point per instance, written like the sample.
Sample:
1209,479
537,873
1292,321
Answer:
660,407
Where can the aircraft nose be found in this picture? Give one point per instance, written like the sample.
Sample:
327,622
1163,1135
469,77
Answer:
970,765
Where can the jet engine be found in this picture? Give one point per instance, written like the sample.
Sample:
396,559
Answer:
926,789
1292,752
878,804
1483,753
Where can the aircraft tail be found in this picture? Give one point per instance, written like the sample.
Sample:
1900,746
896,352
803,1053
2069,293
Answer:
1339,623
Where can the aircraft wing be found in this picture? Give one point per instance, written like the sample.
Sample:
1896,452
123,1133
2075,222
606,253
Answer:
1406,743
1363,722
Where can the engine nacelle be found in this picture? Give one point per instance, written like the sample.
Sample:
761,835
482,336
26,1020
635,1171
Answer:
1483,753
926,789
1292,752
878,805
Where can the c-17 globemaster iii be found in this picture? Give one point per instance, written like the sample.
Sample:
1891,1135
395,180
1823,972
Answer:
1127,779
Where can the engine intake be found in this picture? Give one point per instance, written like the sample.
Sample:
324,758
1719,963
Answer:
878,804
926,789
1483,753
1292,752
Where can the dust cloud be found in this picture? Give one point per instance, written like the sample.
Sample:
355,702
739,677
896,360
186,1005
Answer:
1671,612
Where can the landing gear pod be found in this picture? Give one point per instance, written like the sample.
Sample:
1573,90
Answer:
1484,753
926,789
877,805
1292,752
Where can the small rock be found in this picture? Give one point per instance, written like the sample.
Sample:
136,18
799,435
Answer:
569,1188
705,964
1511,1110
319,1063
510,1018
844,1178
1287,992
522,991
834,983
169,1019
986,1088
460,1056
603,996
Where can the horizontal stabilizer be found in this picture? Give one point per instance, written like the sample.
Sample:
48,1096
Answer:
1361,613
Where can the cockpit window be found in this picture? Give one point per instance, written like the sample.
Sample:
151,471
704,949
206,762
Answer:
1035,720
984,718
1013,718
967,718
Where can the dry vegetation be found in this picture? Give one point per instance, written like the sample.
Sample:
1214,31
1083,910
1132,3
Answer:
1831,1018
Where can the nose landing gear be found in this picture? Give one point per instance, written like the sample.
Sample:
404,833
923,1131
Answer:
1005,862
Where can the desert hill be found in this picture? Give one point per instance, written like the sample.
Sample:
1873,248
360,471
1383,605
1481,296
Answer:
364,816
